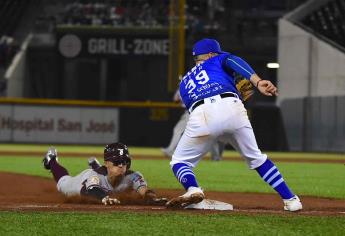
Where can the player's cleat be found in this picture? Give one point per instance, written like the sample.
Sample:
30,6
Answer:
292,204
192,196
93,163
51,154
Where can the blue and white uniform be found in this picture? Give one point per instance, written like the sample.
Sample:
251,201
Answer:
196,84
209,92
219,117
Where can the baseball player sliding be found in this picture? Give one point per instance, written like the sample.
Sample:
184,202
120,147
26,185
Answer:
216,110
101,182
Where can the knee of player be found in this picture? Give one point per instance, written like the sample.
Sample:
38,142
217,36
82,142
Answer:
254,161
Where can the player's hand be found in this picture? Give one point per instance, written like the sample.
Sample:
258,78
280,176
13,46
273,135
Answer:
267,88
152,199
157,201
110,201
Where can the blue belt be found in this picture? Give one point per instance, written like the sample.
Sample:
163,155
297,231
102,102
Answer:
200,102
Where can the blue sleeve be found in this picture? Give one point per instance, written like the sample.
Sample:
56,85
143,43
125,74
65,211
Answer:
239,65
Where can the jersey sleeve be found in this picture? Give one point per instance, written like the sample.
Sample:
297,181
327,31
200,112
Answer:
92,187
137,180
238,65
92,181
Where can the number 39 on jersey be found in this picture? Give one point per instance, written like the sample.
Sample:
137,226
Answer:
199,79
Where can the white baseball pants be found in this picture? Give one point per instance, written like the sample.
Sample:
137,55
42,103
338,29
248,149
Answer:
223,119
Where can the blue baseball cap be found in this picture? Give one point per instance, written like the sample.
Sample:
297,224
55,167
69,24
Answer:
205,46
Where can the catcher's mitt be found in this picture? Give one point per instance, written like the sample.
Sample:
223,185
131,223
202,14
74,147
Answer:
245,88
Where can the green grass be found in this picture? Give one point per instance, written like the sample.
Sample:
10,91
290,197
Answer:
156,151
121,223
316,179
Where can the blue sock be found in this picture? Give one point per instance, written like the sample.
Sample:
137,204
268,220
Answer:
185,175
271,175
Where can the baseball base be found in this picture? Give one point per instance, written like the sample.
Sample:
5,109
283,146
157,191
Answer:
208,204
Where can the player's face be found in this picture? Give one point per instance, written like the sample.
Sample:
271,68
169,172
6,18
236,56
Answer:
115,170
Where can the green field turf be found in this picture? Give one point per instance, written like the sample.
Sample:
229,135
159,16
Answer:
315,179
156,151
122,223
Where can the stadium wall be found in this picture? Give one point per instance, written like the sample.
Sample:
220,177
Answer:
315,123
308,66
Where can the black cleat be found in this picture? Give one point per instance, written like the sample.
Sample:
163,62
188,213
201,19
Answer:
51,155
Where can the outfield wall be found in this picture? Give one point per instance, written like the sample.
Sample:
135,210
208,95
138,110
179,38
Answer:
134,123
86,122
315,124
58,124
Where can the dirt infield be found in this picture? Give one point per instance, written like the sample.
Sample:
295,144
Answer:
29,193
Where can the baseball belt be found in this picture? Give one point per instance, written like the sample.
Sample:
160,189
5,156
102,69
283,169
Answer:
200,102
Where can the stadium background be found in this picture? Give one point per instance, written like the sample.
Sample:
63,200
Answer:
126,56
85,95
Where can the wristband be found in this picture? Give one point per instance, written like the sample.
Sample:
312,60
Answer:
257,84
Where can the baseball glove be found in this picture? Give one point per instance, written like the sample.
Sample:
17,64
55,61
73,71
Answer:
245,88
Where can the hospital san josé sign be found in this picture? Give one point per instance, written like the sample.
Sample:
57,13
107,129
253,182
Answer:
58,124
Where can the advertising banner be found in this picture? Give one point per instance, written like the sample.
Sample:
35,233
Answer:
49,124
75,44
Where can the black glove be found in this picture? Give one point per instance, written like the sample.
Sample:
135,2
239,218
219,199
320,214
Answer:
152,199
159,201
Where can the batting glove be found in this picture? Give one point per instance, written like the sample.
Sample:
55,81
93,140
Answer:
158,201
110,201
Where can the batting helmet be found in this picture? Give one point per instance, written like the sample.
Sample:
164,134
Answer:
117,153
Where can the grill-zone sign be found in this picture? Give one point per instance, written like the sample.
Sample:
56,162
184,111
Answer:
71,45
123,47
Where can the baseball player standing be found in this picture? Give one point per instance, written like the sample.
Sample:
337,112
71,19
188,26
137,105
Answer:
102,181
216,112
216,149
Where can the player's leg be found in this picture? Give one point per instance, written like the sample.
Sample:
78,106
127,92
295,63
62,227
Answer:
66,184
186,156
93,163
177,133
73,185
244,141
216,151
50,162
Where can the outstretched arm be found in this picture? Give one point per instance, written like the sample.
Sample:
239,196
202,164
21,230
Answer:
264,86
91,188
100,194
243,68
150,196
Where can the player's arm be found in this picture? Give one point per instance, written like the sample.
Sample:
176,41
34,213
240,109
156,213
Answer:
238,65
264,86
150,196
140,185
91,188
243,68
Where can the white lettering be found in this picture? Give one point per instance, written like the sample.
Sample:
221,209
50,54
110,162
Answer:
92,46
120,47
107,46
151,47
